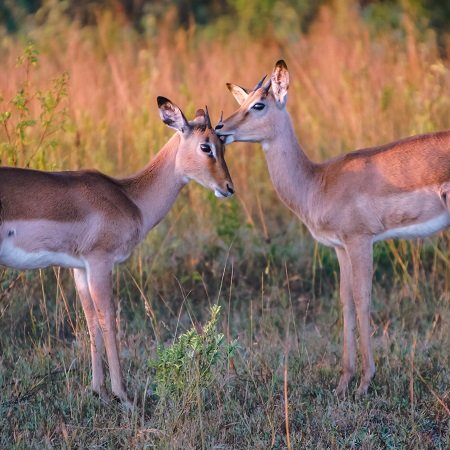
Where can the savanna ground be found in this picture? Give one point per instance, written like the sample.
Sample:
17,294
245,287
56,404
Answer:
356,81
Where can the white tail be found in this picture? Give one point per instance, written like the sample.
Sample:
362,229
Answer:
89,221
399,190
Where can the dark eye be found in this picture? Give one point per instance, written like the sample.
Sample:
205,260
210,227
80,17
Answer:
207,149
258,106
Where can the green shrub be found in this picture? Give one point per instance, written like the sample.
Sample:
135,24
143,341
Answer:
187,366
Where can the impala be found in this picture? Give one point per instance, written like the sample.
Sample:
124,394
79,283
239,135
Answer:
89,221
398,190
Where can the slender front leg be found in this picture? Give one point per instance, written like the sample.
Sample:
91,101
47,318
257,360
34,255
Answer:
99,275
348,312
95,333
361,258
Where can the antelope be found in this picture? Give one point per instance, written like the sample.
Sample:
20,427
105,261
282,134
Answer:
398,190
89,221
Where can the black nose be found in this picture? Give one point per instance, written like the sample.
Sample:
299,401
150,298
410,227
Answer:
230,189
219,126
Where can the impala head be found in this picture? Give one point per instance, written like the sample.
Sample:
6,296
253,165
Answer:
257,117
200,154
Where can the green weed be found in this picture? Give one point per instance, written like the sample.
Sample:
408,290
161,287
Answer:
188,364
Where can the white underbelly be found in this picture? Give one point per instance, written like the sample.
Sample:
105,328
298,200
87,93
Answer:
18,258
417,230
408,232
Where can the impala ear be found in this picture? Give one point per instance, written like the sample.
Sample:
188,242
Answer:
171,115
200,117
280,82
239,93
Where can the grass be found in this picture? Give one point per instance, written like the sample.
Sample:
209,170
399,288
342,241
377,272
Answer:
352,86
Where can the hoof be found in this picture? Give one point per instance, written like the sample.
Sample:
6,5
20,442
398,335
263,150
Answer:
99,393
342,387
124,401
362,390
365,383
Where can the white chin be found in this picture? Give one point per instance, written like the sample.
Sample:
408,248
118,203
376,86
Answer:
218,194
229,139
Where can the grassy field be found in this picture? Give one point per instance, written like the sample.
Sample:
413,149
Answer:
352,86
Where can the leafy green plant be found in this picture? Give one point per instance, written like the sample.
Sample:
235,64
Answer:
31,119
187,365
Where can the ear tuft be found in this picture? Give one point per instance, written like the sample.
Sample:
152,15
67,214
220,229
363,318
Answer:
282,64
161,100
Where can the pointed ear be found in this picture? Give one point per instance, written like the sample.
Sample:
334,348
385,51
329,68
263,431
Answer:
171,115
239,93
280,82
200,117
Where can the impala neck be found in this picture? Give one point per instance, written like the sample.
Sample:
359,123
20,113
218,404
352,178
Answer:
291,170
155,188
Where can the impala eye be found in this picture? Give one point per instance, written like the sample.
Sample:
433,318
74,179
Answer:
258,106
207,149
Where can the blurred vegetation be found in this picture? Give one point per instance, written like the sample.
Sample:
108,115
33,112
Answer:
253,16
78,85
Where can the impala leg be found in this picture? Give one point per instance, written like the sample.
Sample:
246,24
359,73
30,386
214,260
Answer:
95,333
348,311
99,277
361,258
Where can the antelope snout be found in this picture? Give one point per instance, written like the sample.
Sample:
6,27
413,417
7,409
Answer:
227,192
225,137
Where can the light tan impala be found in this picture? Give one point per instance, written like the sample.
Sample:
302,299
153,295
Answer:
399,190
90,221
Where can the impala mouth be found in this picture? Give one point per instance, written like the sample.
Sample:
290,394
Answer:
226,138
221,194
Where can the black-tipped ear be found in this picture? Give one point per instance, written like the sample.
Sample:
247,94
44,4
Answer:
171,115
239,93
280,81
161,100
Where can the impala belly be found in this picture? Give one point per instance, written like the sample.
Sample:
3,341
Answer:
417,230
17,258
39,243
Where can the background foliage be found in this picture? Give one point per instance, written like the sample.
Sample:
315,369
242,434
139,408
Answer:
78,86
